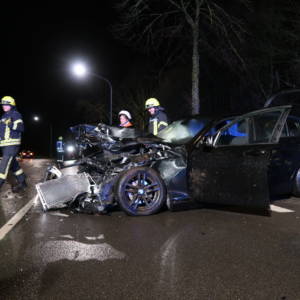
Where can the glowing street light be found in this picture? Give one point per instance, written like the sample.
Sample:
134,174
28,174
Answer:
80,70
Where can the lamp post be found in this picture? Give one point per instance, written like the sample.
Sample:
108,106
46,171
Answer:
37,119
80,70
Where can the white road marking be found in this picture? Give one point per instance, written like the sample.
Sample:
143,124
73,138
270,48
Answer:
280,209
5,229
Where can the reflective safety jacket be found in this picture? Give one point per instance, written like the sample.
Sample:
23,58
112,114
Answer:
60,146
157,122
11,128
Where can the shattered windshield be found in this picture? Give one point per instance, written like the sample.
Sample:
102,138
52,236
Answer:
182,131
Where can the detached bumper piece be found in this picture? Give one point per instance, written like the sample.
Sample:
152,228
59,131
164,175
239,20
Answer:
57,193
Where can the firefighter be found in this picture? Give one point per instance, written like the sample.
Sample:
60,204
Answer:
60,151
125,119
11,128
158,119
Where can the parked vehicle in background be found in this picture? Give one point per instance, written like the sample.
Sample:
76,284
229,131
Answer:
26,154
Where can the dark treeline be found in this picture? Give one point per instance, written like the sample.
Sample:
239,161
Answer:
246,51
208,57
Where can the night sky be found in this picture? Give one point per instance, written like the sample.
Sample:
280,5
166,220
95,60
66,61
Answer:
38,44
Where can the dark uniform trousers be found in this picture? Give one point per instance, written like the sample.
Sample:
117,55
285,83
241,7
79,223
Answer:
9,161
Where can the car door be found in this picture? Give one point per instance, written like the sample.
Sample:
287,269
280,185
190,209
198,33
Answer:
285,157
232,168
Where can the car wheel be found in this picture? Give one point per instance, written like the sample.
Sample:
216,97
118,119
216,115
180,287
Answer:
141,191
296,185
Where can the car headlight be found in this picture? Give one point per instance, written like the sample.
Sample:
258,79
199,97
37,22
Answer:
70,149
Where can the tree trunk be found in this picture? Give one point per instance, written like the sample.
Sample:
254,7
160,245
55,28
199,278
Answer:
195,71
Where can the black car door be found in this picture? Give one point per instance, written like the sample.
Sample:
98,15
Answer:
232,168
285,158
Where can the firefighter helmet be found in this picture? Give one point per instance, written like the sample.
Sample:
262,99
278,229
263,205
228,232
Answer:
8,100
151,102
125,113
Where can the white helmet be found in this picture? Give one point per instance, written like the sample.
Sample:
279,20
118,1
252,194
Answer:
125,113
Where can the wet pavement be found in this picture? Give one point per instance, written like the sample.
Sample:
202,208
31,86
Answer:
194,254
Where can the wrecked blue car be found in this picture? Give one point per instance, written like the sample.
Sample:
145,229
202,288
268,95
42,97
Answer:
193,162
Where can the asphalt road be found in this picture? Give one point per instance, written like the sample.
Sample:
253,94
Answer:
194,254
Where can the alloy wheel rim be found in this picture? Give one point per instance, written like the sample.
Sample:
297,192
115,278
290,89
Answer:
142,192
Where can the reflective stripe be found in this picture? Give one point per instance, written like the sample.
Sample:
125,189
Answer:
4,175
162,123
59,146
10,142
7,133
19,172
16,124
155,127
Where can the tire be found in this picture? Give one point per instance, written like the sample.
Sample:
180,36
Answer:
140,191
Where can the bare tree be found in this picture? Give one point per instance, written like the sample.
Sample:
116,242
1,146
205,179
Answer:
272,61
170,27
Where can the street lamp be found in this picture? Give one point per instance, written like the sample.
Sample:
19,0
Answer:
37,119
80,70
